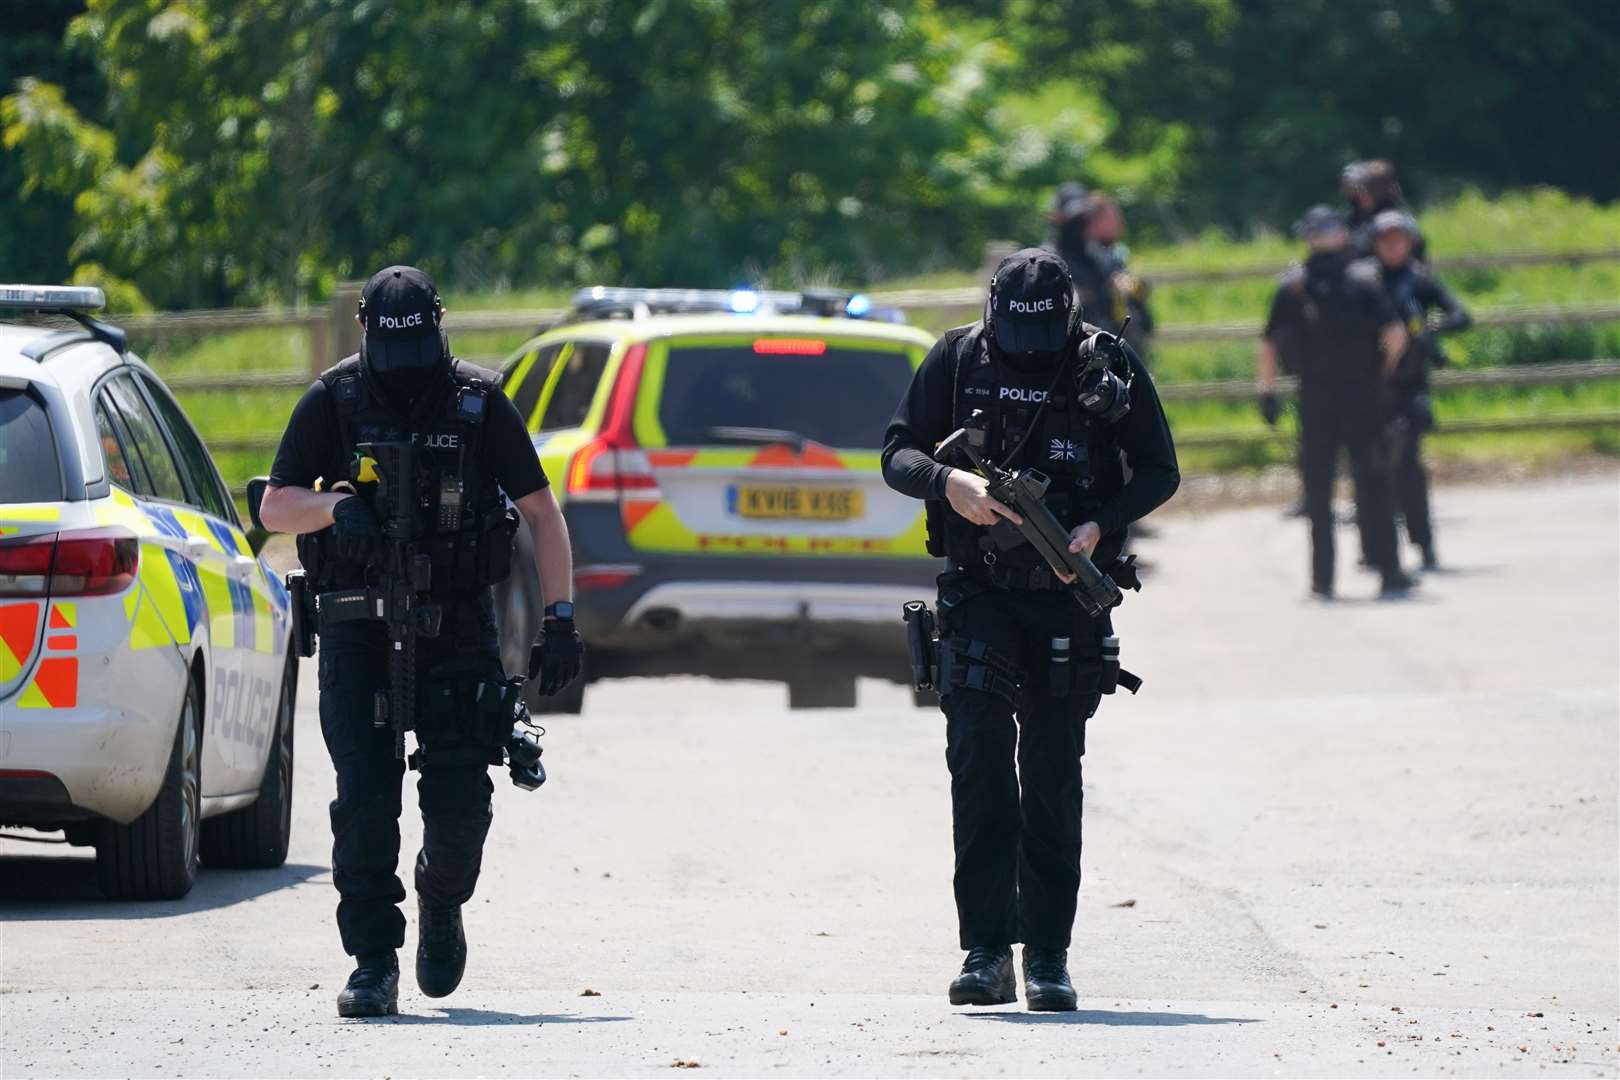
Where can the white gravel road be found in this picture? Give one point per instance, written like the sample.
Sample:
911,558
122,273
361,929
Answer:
1359,839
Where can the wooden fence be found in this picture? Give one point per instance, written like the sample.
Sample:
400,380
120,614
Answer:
332,333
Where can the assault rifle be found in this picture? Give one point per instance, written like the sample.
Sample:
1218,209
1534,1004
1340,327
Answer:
1024,492
401,600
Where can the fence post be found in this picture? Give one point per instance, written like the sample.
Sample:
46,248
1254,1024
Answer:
317,329
343,335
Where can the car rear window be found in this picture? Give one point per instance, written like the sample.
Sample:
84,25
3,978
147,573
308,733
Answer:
30,470
836,396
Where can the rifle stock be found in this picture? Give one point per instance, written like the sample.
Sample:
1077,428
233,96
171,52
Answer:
404,607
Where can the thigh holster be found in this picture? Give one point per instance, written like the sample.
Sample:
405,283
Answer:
467,722
967,664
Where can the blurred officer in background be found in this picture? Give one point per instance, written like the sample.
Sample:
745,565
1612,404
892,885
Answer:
1334,316
1428,309
1012,640
1372,187
1105,235
1089,265
473,453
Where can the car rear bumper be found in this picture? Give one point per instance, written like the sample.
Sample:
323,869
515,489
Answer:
736,616
105,760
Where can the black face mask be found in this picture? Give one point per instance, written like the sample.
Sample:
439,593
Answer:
407,378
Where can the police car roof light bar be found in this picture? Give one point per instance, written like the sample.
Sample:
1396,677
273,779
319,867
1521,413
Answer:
604,301
69,300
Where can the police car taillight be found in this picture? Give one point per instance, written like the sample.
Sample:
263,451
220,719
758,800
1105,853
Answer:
611,463
87,562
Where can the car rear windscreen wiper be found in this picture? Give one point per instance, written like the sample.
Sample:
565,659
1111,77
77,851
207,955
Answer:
758,436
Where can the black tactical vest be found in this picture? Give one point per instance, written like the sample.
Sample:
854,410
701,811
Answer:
1075,449
1339,346
465,526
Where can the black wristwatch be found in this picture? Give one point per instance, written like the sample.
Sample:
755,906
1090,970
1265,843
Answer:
562,609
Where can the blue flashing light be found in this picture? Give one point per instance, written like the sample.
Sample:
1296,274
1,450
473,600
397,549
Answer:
744,301
859,306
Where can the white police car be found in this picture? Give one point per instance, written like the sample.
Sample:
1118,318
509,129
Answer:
146,679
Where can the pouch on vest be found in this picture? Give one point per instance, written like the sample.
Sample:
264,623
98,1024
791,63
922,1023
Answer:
495,546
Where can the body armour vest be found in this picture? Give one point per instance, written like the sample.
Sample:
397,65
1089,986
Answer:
464,523
1074,448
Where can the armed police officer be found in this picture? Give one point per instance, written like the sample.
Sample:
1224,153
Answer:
1429,310
1021,666
1333,323
398,443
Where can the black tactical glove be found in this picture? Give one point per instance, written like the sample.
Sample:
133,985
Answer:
1270,408
555,659
356,529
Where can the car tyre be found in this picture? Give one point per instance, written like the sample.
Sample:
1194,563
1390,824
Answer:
155,856
824,693
257,835
517,604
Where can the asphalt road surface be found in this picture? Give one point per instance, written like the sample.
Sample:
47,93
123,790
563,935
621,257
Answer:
1365,839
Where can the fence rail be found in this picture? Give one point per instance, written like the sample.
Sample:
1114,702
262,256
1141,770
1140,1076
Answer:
332,333
1560,422
1563,374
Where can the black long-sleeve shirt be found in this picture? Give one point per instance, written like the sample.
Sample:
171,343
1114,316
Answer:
923,419
1415,292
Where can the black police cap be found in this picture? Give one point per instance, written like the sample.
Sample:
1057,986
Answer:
401,311
1031,301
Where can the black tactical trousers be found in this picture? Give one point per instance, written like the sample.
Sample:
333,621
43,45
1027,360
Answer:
1015,773
1412,487
1351,422
454,800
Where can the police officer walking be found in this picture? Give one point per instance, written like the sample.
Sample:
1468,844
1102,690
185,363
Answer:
1429,310
1333,322
1372,187
404,389
1128,294
1089,264
1027,666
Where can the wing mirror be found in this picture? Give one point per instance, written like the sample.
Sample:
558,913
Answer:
258,534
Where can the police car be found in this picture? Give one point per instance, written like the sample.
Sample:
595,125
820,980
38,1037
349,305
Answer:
146,683
717,457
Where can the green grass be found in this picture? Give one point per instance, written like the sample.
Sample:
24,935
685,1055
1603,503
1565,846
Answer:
1537,220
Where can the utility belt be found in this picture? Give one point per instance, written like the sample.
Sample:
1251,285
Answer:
1039,577
946,661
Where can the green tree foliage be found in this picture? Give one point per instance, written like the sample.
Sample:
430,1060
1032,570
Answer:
205,152
1264,100
259,147
36,218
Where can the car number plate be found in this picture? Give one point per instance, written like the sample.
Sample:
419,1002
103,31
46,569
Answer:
784,501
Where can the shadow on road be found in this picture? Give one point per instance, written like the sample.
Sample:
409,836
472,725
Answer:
56,889
1111,1019
488,1017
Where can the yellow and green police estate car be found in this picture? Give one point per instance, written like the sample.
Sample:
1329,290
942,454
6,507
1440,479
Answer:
716,454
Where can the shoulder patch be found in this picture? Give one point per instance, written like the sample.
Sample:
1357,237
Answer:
467,373
348,365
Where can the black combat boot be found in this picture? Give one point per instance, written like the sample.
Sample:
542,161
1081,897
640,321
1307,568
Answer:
373,989
1046,980
986,979
1396,586
441,950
